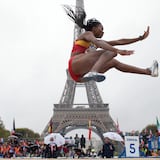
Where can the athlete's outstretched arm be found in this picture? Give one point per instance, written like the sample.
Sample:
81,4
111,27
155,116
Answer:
102,44
125,41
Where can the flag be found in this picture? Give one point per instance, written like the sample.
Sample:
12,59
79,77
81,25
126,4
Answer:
89,130
14,128
150,133
158,125
50,127
117,127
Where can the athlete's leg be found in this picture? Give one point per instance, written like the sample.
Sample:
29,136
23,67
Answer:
125,68
103,59
91,61
89,64
94,74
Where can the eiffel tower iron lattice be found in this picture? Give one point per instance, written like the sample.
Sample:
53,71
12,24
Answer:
68,116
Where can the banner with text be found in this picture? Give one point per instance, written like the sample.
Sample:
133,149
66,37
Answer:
132,146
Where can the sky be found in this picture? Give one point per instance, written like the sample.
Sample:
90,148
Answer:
36,39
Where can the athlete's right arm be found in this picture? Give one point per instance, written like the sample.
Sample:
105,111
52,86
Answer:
88,36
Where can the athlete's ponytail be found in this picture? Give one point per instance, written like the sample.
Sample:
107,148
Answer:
79,18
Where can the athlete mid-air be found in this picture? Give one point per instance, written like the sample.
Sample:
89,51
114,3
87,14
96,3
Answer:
87,62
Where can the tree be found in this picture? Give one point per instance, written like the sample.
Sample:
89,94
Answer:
24,132
150,127
27,133
3,132
1,124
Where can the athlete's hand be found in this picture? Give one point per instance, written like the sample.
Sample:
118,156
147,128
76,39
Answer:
125,52
145,34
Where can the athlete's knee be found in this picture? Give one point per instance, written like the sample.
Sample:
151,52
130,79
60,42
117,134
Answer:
115,63
113,54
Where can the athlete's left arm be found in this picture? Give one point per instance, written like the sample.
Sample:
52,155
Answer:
125,41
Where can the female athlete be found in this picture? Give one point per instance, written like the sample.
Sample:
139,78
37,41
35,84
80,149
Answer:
87,62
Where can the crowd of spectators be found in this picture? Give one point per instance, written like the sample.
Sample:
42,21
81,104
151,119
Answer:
15,147
149,144
74,147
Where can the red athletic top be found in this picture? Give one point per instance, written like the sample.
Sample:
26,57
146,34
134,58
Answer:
81,45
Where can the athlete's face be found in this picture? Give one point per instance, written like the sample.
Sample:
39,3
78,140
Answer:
98,32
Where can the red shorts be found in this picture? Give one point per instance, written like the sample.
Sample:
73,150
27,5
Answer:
73,76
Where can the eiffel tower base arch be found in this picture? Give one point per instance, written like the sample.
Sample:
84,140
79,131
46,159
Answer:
66,119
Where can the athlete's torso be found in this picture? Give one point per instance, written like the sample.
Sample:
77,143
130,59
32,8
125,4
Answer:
80,46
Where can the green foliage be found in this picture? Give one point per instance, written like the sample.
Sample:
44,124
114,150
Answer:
1,124
150,127
3,132
27,133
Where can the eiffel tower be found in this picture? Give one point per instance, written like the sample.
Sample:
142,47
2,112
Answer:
68,116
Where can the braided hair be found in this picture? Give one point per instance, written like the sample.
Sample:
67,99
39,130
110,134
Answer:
79,17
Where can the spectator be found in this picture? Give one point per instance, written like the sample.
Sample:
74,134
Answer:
51,151
83,141
77,140
108,149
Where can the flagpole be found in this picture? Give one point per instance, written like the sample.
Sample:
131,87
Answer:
13,131
158,125
90,133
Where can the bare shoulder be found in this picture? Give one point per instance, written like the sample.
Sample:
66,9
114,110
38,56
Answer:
88,33
88,36
85,35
